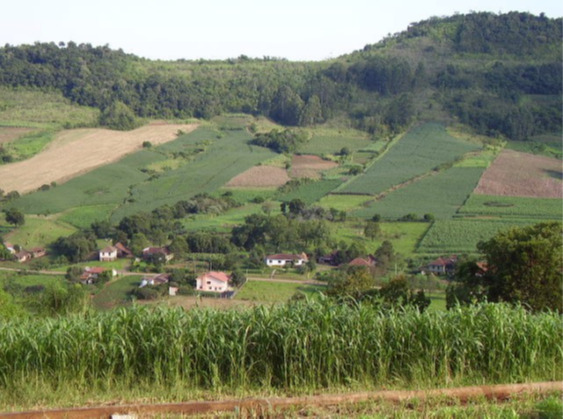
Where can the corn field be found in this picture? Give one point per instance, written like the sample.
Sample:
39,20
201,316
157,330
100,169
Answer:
308,344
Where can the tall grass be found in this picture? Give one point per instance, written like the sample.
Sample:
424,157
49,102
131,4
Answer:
309,344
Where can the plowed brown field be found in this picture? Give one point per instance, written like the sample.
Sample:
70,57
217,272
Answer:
77,151
522,174
309,166
260,177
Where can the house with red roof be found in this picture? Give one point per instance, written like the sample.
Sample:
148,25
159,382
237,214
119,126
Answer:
285,259
443,265
213,281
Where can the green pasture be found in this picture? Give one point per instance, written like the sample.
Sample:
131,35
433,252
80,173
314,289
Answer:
29,144
440,194
344,202
245,195
26,107
404,236
462,235
116,292
274,292
332,140
512,207
38,231
225,222
311,192
28,280
83,217
422,149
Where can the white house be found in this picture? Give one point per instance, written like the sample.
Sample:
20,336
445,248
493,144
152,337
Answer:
213,281
283,259
108,254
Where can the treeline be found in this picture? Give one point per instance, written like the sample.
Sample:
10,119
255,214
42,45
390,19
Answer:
376,88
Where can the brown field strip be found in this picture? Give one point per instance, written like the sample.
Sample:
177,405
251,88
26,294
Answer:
8,134
78,151
267,406
260,177
521,174
309,166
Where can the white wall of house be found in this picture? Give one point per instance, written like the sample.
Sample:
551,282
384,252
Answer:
208,283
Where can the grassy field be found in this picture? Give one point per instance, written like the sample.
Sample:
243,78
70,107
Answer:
403,236
34,108
440,194
83,217
116,292
274,292
38,231
344,202
462,235
331,140
419,151
512,207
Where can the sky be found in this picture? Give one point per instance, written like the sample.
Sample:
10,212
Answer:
298,30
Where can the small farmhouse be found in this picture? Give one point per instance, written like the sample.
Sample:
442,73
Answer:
368,262
283,259
108,254
149,252
91,275
443,265
122,251
155,280
213,281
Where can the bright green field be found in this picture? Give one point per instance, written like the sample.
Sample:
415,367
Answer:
28,280
462,235
441,195
331,141
511,207
116,292
83,217
37,231
403,236
224,222
344,202
419,151
273,292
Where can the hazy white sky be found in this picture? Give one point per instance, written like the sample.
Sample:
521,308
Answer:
219,29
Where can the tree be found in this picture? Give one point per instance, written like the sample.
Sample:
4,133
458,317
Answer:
118,116
237,278
524,265
372,229
14,216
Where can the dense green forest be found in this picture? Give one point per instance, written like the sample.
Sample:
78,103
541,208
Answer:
500,74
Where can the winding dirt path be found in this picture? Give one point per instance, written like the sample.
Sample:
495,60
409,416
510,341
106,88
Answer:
267,406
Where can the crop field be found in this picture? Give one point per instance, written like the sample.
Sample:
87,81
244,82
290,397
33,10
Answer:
331,141
521,174
8,134
74,152
310,166
274,292
28,280
303,346
37,231
260,177
116,292
422,149
224,158
462,235
83,217
440,194
311,192
512,207
224,222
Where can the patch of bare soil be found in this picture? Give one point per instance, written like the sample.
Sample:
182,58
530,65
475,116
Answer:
77,151
260,177
521,174
309,166
8,134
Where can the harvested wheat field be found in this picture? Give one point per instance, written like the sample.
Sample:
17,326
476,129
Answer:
8,134
76,151
309,166
522,174
260,177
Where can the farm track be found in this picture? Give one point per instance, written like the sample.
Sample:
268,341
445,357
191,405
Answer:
262,407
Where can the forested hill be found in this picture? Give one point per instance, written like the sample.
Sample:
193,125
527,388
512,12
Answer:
500,74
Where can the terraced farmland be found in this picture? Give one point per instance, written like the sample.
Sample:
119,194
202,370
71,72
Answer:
512,207
422,149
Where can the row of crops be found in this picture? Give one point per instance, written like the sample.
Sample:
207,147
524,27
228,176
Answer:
308,344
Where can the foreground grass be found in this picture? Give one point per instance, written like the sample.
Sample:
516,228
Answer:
294,348
271,292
